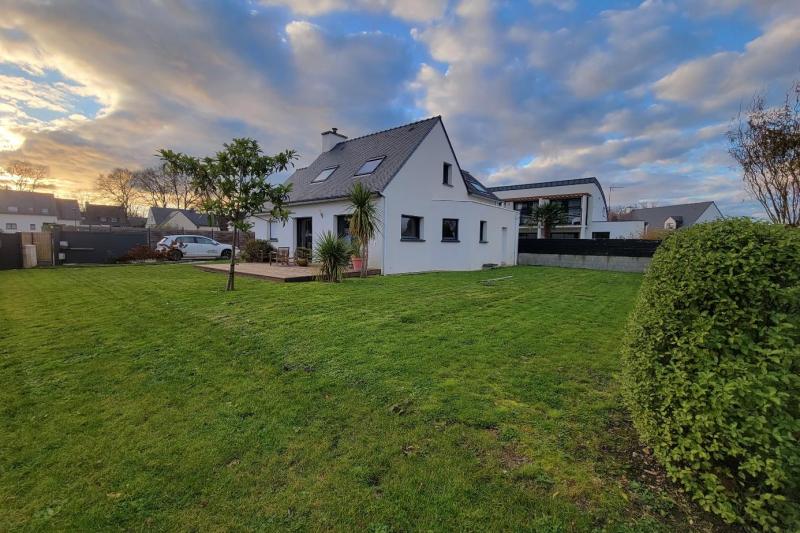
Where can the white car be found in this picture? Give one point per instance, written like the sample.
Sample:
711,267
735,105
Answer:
192,246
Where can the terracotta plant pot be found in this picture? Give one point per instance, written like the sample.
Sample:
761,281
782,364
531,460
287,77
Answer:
357,262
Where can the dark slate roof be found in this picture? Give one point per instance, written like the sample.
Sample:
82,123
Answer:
477,188
94,212
556,183
396,145
27,203
68,209
161,214
656,216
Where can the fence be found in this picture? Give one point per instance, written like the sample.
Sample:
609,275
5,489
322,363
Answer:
10,251
43,241
82,245
607,247
625,255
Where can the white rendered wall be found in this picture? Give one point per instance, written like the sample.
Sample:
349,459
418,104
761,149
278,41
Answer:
24,222
621,229
323,218
417,190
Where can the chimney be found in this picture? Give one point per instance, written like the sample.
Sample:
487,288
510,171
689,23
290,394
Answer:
331,138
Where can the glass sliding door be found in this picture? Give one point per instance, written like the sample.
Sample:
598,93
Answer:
305,233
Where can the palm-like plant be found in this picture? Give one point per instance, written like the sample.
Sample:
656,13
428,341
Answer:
364,220
549,215
333,254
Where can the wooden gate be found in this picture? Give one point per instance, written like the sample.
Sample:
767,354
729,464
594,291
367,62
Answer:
44,245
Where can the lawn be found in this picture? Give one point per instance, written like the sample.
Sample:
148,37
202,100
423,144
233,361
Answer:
146,397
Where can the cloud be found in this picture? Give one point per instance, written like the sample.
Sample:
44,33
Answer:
227,71
728,78
413,10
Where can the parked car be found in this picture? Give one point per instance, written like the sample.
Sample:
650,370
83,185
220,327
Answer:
190,246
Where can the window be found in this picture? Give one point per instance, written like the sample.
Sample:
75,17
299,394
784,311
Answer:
323,175
45,210
447,174
601,235
186,239
572,210
13,209
343,226
484,230
203,240
526,208
11,226
114,219
273,234
410,228
450,229
564,235
103,219
33,227
369,167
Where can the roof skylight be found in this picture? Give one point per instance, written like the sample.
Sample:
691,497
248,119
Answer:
369,167
323,175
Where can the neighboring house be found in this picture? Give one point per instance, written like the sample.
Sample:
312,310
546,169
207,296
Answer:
30,211
671,217
104,215
435,216
183,219
583,202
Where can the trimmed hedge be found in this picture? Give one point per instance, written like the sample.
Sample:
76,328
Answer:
712,368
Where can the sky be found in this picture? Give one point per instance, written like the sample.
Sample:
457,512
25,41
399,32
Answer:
638,94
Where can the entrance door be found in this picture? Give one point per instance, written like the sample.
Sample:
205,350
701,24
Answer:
305,234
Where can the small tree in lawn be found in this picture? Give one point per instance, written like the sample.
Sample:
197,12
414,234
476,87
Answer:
234,186
364,220
549,215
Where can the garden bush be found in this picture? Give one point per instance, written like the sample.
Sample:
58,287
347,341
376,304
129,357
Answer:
141,252
712,368
256,250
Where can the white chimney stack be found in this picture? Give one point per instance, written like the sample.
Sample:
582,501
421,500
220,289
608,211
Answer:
331,138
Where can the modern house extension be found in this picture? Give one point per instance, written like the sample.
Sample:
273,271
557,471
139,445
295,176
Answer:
584,204
435,215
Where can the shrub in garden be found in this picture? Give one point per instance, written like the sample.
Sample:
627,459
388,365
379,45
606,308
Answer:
712,368
333,254
141,252
255,250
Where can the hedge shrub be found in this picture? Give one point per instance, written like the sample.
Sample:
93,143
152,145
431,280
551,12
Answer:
712,368
256,250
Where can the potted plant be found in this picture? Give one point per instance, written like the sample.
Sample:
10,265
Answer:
355,253
301,256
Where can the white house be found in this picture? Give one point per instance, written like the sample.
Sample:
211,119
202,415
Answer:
30,211
179,219
435,216
583,202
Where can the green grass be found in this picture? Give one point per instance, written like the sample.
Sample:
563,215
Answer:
144,397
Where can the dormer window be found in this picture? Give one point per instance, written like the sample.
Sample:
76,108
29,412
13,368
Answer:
369,167
45,211
447,174
323,175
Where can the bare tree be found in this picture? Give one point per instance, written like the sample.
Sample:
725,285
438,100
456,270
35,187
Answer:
153,185
26,176
766,144
118,186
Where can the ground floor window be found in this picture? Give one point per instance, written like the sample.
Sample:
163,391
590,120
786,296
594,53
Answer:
11,226
33,227
273,230
449,229
343,226
484,237
410,228
601,235
528,234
